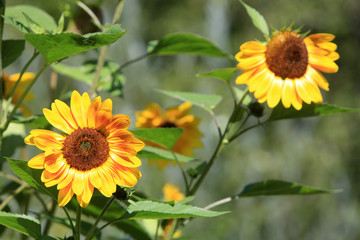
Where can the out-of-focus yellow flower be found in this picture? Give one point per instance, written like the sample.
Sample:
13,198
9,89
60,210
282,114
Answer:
287,68
178,116
9,83
95,151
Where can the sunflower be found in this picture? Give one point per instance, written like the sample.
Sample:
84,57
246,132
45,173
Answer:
179,117
287,68
95,151
9,83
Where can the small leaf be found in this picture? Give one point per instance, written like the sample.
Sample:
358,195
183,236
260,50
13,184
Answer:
207,102
308,110
60,27
31,176
25,224
186,43
11,50
35,121
165,137
163,210
224,74
17,24
160,154
257,19
34,26
278,187
55,47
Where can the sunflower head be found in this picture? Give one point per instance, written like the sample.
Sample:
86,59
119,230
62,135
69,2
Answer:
95,149
177,116
288,68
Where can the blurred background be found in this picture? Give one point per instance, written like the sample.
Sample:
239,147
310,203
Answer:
320,152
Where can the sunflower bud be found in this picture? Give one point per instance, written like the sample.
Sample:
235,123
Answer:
256,109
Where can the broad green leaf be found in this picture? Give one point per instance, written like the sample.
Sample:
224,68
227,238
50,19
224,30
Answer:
159,210
34,26
257,19
31,176
35,121
16,13
186,43
165,137
160,154
308,110
25,224
11,50
55,47
110,80
10,144
278,187
205,101
224,74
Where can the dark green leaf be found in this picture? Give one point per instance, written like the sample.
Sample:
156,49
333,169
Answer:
16,13
194,172
55,47
158,210
25,224
257,19
35,121
224,74
207,102
165,137
308,110
11,50
186,43
10,143
31,176
160,154
278,187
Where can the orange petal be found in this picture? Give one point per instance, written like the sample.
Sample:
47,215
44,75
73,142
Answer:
70,173
37,162
75,105
323,63
245,76
65,195
92,112
120,121
321,37
104,115
64,111
126,161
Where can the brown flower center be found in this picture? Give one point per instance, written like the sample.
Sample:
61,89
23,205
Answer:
85,149
167,125
286,55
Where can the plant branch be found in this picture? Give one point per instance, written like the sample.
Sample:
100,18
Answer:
91,14
182,171
70,220
78,222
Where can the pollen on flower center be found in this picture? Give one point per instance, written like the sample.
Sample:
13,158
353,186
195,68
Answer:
286,55
85,149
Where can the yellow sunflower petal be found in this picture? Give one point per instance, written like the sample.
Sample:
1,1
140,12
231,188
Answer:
57,121
302,91
318,78
275,91
120,121
85,104
104,114
323,63
313,90
245,76
288,93
264,85
63,110
75,105
92,112
78,183
65,195
251,62
321,37
252,47
95,178
37,162
296,102
70,173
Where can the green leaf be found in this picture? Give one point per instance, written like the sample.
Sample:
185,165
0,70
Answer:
160,154
11,50
165,137
31,176
308,110
278,187
35,121
224,74
34,26
257,19
162,210
186,43
25,224
15,16
240,93
55,47
61,21
207,102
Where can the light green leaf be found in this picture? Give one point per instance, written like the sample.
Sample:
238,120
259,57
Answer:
257,19
31,176
159,210
224,74
160,154
278,187
165,137
11,50
308,110
186,43
60,27
25,224
15,15
34,26
207,102
55,47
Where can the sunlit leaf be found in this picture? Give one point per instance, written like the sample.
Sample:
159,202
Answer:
186,43
31,176
208,102
11,50
165,137
34,26
224,74
278,187
158,210
55,47
25,224
35,121
161,154
60,27
308,110
257,19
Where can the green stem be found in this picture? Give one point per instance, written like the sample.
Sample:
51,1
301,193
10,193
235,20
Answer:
132,61
70,221
2,13
182,171
245,130
91,232
78,222
91,14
